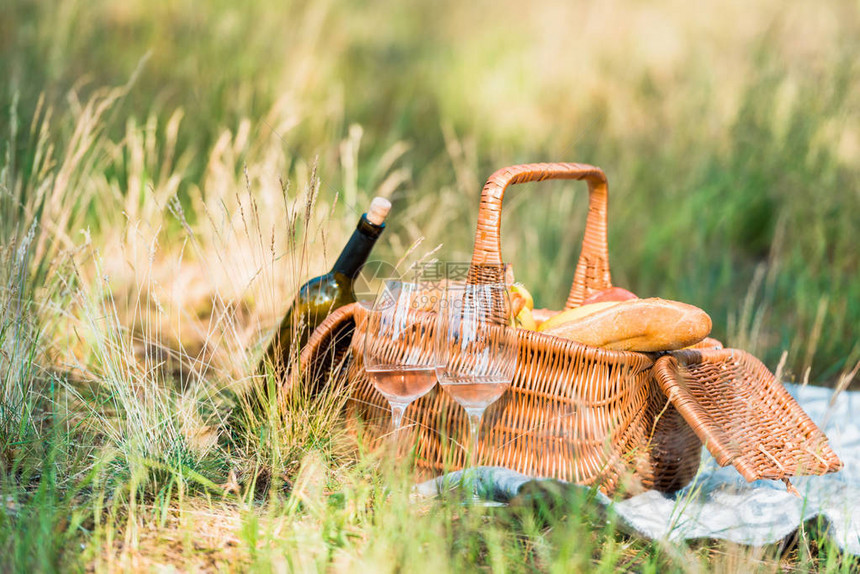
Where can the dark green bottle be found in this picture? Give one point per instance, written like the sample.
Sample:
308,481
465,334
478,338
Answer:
322,295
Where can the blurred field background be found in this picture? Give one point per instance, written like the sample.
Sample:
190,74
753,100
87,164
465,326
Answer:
170,172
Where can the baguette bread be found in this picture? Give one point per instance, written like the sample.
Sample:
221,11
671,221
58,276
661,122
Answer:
646,325
575,314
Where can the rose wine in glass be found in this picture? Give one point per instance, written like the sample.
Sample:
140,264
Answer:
402,384
476,395
399,356
476,350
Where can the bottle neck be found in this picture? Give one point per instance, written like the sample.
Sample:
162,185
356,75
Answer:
358,248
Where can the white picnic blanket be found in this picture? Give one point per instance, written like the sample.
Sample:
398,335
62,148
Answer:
719,503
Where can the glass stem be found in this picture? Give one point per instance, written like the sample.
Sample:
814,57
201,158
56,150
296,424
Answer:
475,416
397,411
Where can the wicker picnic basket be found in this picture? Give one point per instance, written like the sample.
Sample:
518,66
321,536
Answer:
621,420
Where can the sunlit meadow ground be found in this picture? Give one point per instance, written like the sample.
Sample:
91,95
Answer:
170,172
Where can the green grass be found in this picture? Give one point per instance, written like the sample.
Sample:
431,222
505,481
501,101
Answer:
170,172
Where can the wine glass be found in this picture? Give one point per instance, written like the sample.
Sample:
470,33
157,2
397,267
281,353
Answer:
476,350
399,354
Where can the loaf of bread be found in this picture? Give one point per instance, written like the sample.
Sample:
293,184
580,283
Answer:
646,325
575,314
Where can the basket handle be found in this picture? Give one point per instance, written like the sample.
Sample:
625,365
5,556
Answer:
592,271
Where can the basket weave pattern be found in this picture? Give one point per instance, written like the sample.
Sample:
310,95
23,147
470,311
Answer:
744,415
621,420
576,424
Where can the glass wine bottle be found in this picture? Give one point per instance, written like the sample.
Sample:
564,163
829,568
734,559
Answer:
322,295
